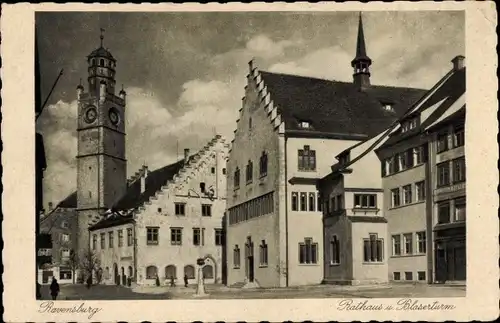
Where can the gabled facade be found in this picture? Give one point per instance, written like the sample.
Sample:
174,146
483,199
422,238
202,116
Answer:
355,228
409,158
289,130
167,219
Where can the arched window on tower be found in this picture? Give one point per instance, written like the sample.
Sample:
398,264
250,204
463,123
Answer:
101,62
92,62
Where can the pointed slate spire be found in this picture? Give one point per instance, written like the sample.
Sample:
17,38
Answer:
361,63
361,47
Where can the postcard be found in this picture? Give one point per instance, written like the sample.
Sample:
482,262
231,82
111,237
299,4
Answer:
250,162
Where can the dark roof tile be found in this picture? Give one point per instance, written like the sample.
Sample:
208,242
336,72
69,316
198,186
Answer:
336,107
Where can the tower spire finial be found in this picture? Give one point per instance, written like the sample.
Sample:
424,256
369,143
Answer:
361,46
102,35
361,62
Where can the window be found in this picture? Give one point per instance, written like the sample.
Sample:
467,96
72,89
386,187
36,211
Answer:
373,249
319,204
421,275
403,160
333,204
420,191
151,272
159,210
208,272
459,136
120,238
94,241
421,242
180,209
64,224
407,194
444,212
295,201
459,170
263,164
307,159
308,251
396,163
170,272
219,237
249,173
365,200
175,236
460,210
413,123
130,238
103,240
389,166
304,125
395,199
212,170
64,273
196,236
236,257
443,171
111,239
223,171
206,210
442,142
189,271
202,187
396,245
396,275
418,155
64,237
408,243
334,251
303,201
65,254
237,178
152,236
408,275
409,158
312,202
250,123
263,253
101,62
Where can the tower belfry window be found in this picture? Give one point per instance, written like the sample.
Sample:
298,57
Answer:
101,63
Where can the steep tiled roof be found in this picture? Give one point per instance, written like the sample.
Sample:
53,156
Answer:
154,181
449,92
101,52
336,107
69,201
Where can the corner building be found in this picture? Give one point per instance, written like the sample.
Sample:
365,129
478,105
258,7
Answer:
288,132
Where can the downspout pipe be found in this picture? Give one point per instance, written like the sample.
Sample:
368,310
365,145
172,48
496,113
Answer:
286,216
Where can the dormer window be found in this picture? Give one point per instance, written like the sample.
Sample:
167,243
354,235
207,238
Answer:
344,158
304,124
388,107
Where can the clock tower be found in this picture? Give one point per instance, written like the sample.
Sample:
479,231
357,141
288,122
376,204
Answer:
101,163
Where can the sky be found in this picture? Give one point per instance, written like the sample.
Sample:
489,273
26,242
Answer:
184,73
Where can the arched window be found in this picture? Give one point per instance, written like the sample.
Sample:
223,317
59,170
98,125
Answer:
189,271
123,271
101,62
151,272
92,62
106,273
170,271
130,271
208,271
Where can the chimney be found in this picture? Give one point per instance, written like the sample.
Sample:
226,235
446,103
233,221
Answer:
143,178
186,154
51,206
458,62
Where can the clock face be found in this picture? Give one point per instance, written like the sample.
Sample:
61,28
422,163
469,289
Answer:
90,114
114,116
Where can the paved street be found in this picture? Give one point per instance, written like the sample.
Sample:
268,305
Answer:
106,292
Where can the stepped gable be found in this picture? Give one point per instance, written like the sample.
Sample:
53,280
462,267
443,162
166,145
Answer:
336,107
154,182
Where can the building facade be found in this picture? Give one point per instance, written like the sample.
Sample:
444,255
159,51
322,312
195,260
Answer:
61,225
166,221
409,160
355,229
289,130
